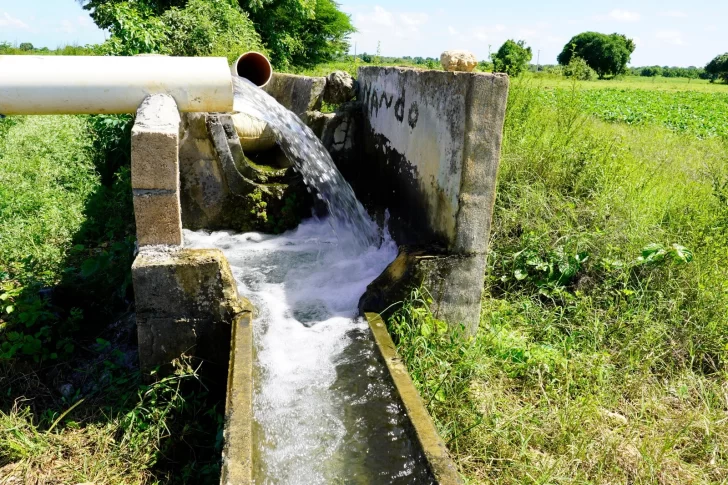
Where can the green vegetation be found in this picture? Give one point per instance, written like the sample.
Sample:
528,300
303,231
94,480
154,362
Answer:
608,55
704,115
718,68
201,28
512,58
601,354
296,33
74,407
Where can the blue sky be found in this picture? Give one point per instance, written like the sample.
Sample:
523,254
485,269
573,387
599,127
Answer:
667,32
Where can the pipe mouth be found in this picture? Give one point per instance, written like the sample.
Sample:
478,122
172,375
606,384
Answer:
255,67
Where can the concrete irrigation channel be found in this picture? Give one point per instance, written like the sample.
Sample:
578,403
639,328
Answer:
421,146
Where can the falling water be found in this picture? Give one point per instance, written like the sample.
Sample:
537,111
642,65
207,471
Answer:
325,410
310,159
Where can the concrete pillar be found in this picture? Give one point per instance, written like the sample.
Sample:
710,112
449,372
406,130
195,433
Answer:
432,143
186,301
155,172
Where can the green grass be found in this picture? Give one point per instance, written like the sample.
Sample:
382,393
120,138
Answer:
74,407
601,355
46,176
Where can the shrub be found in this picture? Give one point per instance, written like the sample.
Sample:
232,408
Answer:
512,58
606,54
718,68
579,69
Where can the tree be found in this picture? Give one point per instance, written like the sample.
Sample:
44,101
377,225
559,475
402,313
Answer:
718,68
201,28
294,32
26,46
300,32
512,57
651,71
608,55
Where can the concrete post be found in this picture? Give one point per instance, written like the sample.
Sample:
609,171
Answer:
155,172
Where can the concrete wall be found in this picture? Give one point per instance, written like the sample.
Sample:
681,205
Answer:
432,144
437,135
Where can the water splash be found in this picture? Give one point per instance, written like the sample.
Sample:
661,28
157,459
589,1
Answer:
325,410
310,159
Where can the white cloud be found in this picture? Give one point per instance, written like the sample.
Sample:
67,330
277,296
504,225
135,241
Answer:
413,19
672,37
452,30
6,20
624,15
380,17
84,21
677,14
67,27
485,34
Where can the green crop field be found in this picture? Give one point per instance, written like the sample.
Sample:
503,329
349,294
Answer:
701,114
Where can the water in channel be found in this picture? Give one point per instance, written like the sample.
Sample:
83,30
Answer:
325,410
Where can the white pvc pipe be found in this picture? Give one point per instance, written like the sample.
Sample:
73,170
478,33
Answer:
88,85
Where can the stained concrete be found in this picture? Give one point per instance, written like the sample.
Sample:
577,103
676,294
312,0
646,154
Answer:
223,188
423,428
186,300
431,143
155,172
297,93
237,454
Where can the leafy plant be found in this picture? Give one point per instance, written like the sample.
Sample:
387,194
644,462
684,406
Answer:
512,57
606,54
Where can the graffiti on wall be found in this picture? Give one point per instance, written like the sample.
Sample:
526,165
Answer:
374,102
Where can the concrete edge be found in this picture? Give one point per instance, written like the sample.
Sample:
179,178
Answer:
237,454
439,462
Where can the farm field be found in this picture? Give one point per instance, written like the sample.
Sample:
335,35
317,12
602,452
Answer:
604,332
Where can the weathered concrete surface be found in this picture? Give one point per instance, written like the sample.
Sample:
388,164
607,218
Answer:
155,171
186,300
297,93
432,143
340,87
237,454
222,188
423,429
158,220
435,137
455,283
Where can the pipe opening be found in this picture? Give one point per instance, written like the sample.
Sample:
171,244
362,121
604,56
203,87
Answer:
255,67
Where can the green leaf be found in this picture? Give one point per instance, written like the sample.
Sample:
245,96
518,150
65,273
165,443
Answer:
682,253
9,309
520,274
4,296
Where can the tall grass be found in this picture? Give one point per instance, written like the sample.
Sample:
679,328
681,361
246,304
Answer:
601,354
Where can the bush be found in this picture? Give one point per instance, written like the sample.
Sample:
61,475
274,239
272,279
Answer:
606,54
210,28
512,58
202,28
578,69
718,68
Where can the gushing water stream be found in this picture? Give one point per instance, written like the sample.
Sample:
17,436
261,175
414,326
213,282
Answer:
324,408
310,159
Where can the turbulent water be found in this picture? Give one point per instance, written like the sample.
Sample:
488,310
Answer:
310,159
324,409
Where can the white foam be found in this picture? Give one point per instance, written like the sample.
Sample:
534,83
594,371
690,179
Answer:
305,285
